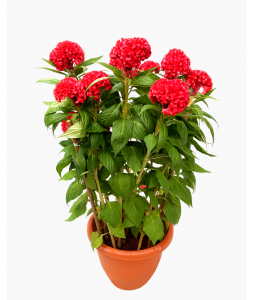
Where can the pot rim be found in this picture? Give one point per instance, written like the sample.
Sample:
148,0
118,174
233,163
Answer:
133,255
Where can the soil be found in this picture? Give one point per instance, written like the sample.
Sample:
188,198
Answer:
130,243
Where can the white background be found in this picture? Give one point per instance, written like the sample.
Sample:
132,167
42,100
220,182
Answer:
49,258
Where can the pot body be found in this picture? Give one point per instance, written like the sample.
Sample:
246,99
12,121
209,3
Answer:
130,270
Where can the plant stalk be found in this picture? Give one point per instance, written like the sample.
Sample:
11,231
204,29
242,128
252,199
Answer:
125,109
140,240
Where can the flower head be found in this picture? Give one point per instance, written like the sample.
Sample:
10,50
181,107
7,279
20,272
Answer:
175,63
65,54
94,90
128,53
64,126
67,87
142,186
150,64
197,79
173,94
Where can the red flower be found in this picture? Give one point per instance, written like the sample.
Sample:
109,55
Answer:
197,79
173,94
150,64
64,126
128,54
94,90
175,63
142,186
65,54
67,87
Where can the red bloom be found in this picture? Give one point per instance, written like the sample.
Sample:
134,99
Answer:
150,64
128,53
67,87
94,90
65,54
142,186
64,126
175,63
173,94
197,79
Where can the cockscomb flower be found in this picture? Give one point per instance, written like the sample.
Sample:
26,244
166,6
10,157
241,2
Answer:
150,64
175,63
128,53
65,54
142,186
67,87
172,94
197,79
94,90
64,123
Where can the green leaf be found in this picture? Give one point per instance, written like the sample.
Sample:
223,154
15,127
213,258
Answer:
153,199
79,207
65,143
163,136
103,173
139,130
119,87
209,116
121,133
95,127
144,99
64,105
64,162
175,157
89,61
85,118
96,240
54,118
70,149
68,176
178,143
52,70
134,209
49,62
199,169
182,129
75,189
108,116
108,161
200,149
95,139
148,121
92,162
122,184
127,222
48,103
143,81
75,131
151,180
50,81
118,231
153,227
150,107
151,142
79,70
91,182
177,187
210,127
163,181
111,213
190,179
134,157
172,211
135,231
116,71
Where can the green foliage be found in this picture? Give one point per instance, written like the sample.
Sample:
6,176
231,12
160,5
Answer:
123,184
75,131
134,209
153,226
49,80
133,156
79,207
75,189
177,186
118,231
96,240
111,213
64,162
121,133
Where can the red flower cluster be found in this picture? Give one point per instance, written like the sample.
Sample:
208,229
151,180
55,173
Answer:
76,90
94,91
67,87
175,63
64,124
150,64
173,94
128,53
142,186
197,79
65,54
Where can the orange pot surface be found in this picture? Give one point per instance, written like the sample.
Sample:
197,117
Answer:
130,270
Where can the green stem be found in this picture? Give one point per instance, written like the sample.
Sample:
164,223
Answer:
126,94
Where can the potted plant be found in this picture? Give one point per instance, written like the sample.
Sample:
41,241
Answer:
129,138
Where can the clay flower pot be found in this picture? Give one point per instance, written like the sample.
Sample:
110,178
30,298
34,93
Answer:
130,270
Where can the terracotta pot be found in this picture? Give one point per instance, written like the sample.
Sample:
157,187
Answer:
130,270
